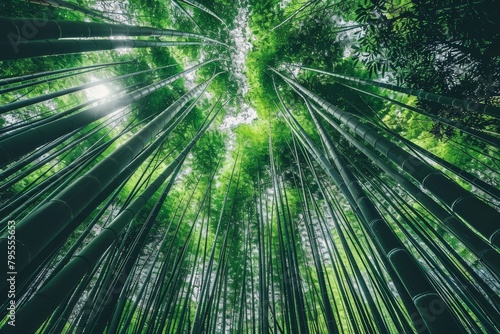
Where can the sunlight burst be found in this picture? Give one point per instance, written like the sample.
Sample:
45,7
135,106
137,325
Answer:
98,91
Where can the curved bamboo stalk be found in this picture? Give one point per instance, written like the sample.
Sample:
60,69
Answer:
363,312
157,284
15,206
31,273
446,100
290,311
20,127
13,30
28,77
263,282
173,280
484,137
307,142
120,180
32,84
14,147
484,251
300,9
41,98
464,175
15,168
52,76
155,311
403,262
484,218
204,295
185,12
131,258
67,279
328,312
469,287
70,46
291,258
32,236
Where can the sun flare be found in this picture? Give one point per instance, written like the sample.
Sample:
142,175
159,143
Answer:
97,92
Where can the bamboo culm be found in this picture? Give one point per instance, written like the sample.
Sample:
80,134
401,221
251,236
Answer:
484,218
17,31
33,49
484,251
49,297
445,100
72,200
15,146
402,261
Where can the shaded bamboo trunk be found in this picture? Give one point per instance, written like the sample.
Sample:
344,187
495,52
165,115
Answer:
39,308
484,218
22,143
71,46
484,252
415,281
445,100
33,235
17,31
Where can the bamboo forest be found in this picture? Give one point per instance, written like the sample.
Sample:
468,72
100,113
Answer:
250,166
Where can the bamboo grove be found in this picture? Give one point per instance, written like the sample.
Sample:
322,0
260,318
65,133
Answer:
362,197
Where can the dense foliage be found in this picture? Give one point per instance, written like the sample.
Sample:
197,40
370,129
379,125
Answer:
270,171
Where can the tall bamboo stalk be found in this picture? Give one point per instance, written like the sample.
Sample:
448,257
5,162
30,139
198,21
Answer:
445,100
14,31
484,218
15,146
33,49
407,268
64,207
485,252
66,280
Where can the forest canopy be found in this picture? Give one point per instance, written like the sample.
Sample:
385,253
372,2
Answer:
250,166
